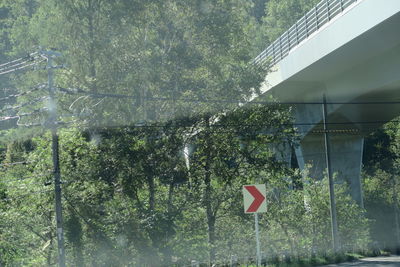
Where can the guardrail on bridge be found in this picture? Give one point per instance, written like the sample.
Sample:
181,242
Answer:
313,20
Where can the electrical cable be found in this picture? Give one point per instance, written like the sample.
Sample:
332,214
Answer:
38,99
13,179
13,153
25,184
19,59
19,116
20,68
99,95
30,125
13,61
81,91
36,88
166,125
17,64
58,123
44,183
26,195
16,163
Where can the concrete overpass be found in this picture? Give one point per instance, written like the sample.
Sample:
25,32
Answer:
348,50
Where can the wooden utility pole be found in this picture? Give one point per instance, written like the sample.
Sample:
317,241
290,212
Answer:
55,155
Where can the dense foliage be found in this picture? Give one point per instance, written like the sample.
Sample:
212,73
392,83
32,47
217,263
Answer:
156,148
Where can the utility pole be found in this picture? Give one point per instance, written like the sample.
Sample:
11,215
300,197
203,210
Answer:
335,236
50,55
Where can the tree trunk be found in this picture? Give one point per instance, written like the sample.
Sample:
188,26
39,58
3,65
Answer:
208,195
152,258
150,182
167,250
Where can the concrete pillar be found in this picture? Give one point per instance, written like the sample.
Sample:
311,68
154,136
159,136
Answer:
346,159
283,153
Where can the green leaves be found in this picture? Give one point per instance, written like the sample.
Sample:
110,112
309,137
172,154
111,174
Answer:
148,80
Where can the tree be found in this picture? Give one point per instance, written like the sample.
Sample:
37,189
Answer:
146,80
230,156
171,51
279,16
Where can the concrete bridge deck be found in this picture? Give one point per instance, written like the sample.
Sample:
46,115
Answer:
353,57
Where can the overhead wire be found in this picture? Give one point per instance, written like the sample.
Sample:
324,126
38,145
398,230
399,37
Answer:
168,125
36,88
59,123
19,116
5,152
26,185
20,67
19,59
35,100
100,95
13,179
287,124
30,193
92,94
16,163
104,95
13,61
44,183
26,195
17,64
217,125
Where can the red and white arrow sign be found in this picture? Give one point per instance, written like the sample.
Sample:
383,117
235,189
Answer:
254,198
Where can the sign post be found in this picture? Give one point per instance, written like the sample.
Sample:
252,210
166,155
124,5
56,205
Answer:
255,202
257,239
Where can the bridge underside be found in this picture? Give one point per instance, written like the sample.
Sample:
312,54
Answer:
362,99
355,62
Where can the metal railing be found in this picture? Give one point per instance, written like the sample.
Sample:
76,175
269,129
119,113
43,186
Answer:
313,20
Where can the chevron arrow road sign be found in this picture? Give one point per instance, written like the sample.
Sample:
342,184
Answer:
254,198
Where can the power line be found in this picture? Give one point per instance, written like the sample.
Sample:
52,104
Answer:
38,124
44,183
20,68
5,152
36,88
218,101
168,125
35,100
102,95
13,61
17,64
323,153
14,153
26,195
19,116
11,180
97,95
19,59
16,163
26,185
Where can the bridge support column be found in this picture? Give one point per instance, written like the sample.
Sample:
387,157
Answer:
346,158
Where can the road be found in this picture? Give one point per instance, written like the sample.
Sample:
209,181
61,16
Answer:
371,262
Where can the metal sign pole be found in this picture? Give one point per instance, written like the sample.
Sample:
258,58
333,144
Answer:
255,202
257,239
